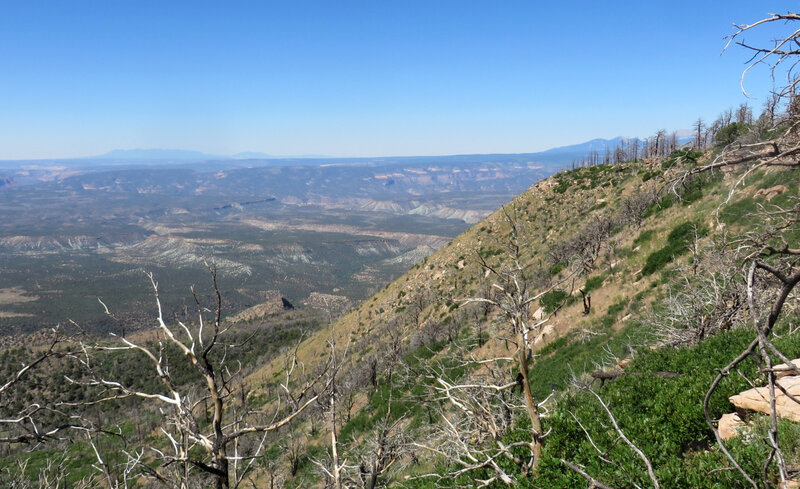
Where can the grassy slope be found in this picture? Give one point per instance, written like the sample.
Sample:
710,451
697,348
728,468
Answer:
454,273
552,211
550,214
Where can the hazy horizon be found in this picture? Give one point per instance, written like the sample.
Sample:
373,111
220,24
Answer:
359,79
178,154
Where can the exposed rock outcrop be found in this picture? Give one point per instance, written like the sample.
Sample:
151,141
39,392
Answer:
784,370
772,192
273,304
757,399
730,426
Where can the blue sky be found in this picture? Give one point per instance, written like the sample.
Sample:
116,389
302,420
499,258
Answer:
347,78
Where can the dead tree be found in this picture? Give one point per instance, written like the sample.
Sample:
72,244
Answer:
632,208
587,303
586,244
55,474
360,463
699,139
382,449
471,417
334,468
710,298
477,411
192,451
781,54
634,149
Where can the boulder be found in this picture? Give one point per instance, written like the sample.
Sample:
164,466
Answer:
772,192
730,426
783,369
757,399
547,331
623,364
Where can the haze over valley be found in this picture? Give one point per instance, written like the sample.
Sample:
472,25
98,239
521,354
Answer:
76,230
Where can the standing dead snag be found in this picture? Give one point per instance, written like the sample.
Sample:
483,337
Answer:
514,301
197,447
335,469
587,303
479,410
361,462
54,474
383,448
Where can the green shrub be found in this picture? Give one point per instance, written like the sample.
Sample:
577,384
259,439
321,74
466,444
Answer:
593,283
682,233
562,186
647,175
644,237
677,244
616,308
730,133
552,300
658,260
739,211
686,155
665,203
663,417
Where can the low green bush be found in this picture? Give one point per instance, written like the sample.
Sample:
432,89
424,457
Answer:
665,203
593,283
730,133
644,237
738,212
552,300
557,268
663,417
677,244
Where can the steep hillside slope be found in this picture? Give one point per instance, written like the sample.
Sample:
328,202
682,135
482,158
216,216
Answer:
610,255
551,215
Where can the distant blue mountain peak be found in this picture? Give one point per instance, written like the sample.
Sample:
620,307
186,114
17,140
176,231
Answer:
158,154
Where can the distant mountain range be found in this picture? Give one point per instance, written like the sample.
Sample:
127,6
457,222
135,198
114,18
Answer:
181,155
184,155
189,155
580,150
133,158
156,154
588,146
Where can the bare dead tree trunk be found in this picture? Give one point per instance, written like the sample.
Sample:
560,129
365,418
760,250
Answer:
587,303
471,434
531,405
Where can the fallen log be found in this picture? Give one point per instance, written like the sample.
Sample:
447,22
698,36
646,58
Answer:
604,375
